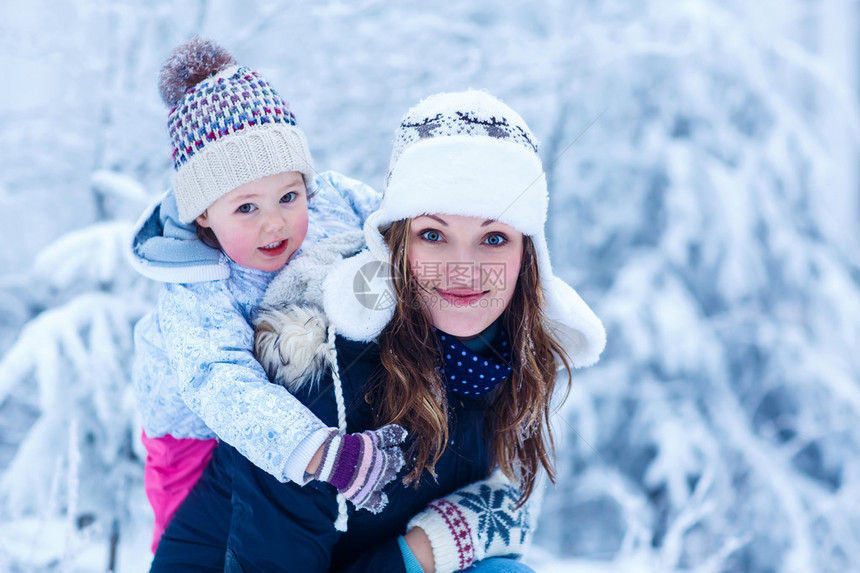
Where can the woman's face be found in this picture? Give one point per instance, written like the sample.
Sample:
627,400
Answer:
466,268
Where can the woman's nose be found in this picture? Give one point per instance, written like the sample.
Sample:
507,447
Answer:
462,269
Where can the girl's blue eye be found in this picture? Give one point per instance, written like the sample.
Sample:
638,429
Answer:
432,236
495,240
245,208
289,197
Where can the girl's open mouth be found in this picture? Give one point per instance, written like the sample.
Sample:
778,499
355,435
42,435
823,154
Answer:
275,249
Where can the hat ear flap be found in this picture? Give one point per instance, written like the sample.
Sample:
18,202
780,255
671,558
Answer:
574,324
572,321
358,296
375,241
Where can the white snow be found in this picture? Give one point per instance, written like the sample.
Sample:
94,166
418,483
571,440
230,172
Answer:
702,158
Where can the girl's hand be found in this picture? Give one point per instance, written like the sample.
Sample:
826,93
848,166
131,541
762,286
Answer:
361,465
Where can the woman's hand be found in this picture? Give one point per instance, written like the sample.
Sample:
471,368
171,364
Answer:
477,521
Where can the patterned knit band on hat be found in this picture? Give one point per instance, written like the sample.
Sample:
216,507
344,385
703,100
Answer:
479,120
228,126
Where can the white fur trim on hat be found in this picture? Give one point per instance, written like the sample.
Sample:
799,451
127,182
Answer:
245,156
469,175
463,175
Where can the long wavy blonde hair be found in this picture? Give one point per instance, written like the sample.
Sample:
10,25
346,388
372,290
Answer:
413,394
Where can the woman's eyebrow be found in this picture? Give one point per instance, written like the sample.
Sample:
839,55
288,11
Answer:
437,219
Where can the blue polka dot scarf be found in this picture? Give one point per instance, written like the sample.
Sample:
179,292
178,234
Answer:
470,373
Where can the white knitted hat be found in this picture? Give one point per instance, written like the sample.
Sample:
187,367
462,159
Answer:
463,153
228,126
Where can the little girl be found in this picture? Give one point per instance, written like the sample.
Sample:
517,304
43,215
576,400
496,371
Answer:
245,198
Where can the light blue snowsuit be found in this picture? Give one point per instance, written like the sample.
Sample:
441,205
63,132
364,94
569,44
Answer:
195,375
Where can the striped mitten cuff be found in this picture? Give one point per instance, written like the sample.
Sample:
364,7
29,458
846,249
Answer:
360,465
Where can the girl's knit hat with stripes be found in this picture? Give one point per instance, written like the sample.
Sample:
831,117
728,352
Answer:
227,124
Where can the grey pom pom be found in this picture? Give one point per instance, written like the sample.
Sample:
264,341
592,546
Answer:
190,64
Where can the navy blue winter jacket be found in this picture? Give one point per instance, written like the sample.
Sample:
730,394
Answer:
286,527
278,526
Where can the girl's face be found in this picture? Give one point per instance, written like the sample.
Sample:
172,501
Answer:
261,224
467,269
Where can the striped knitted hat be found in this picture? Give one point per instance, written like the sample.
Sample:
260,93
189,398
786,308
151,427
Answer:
228,126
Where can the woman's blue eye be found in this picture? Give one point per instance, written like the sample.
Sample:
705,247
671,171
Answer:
495,240
245,208
432,236
289,197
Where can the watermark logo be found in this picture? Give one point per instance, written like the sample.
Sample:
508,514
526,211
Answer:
434,274
494,275
373,284
373,287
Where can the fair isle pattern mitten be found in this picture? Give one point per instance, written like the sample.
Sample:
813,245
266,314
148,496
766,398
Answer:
359,466
474,523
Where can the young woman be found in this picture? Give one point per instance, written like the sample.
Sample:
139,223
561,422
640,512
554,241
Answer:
452,325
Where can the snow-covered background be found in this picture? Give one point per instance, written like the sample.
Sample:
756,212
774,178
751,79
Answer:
703,162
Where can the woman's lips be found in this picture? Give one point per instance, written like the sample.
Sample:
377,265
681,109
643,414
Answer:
275,249
461,297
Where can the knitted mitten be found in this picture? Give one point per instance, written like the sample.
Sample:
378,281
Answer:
476,522
360,465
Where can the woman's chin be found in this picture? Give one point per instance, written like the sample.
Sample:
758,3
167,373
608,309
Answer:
460,325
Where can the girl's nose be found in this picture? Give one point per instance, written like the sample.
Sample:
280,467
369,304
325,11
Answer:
274,222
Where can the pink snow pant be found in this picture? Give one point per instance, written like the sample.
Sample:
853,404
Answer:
172,468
